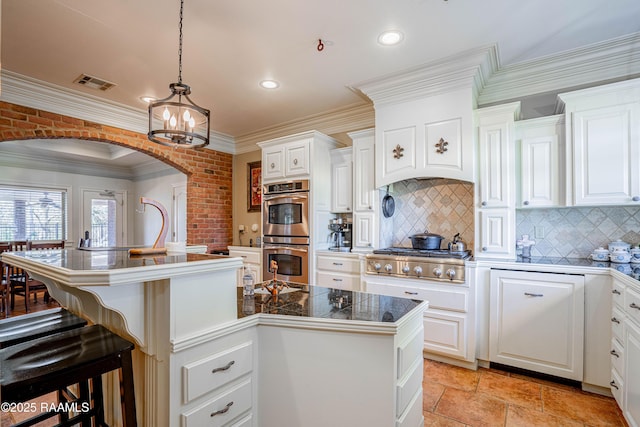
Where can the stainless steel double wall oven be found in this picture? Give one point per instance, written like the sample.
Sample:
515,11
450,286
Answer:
285,227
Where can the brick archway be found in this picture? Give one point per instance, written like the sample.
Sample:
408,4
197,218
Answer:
209,172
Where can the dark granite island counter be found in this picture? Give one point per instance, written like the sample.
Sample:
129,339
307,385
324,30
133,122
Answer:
313,356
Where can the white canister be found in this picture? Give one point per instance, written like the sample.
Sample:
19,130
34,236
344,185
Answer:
635,255
620,256
600,254
619,244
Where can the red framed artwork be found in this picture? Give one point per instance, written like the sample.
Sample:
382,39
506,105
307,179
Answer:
254,186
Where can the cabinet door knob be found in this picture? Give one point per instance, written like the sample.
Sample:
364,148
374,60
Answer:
224,368
526,203
272,165
222,411
484,203
613,384
615,291
614,320
529,294
295,161
613,353
484,249
634,305
441,146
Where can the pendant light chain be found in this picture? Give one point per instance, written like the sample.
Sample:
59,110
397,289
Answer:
180,45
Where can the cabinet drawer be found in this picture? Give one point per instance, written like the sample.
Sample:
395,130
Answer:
338,281
408,386
617,356
247,256
408,351
617,323
208,374
617,386
339,264
445,334
452,300
617,293
222,409
412,417
632,304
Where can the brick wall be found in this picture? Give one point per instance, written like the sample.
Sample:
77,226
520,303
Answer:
209,203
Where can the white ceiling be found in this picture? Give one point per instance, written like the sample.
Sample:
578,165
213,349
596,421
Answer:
230,45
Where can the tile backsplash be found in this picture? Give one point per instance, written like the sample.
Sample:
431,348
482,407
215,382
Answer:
576,232
441,206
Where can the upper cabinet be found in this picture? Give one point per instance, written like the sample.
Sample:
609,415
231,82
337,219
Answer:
603,144
365,196
431,137
286,160
424,118
541,148
341,180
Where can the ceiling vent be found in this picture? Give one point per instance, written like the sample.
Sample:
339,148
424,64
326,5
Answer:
93,82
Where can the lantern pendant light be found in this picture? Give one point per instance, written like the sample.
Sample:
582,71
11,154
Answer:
178,122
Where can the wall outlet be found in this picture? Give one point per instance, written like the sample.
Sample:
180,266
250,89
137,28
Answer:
538,232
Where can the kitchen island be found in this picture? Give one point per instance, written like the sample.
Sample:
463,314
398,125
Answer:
310,356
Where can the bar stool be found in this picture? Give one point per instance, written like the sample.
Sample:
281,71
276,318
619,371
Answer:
78,356
16,330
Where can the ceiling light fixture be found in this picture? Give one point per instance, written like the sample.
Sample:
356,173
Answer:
269,84
390,38
179,123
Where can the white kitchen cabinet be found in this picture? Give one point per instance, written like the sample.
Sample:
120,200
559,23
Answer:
495,208
449,327
603,129
365,195
285,160
341,180
631,374
339,270
537,322
541,154
424,138
597,333
251,258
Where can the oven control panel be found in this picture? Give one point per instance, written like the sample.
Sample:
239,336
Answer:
434,269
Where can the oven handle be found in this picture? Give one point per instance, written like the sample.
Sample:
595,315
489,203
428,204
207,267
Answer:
292,196
290,248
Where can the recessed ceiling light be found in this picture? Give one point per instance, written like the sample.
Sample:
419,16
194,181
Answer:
390,38
147,99
269,84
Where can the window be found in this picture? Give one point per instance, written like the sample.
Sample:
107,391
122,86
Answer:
33,214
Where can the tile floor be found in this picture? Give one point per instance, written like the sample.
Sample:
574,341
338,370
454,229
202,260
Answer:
487,397
460,397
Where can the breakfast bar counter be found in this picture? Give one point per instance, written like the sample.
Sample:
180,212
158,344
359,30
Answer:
207,354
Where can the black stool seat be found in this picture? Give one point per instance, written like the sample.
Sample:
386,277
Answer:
38,367
15,330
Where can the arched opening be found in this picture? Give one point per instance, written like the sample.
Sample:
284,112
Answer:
208,172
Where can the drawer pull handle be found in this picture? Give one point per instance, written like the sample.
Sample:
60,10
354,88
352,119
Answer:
222,411
337,263
613,353
615,291
337,280
410,293
614,320
224,368
613,384
529,294
634,305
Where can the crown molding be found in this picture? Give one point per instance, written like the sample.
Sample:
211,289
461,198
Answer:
606,61
29,92
469,69
338,121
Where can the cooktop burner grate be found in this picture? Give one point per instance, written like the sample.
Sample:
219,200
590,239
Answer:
426,253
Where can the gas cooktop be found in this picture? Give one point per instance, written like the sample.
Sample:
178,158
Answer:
427,253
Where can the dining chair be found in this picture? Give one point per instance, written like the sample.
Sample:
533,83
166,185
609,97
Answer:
20,282
4,280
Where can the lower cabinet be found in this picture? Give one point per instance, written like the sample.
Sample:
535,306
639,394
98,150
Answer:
251,258
630,374
448,321
537,322
338,270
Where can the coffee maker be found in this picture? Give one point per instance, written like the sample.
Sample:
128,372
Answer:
340,237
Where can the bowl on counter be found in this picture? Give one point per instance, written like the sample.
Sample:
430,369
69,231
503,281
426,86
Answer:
620,256
600,254
635,255
619,244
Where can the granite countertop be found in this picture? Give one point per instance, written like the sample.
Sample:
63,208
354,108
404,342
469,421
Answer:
107,259
325,303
